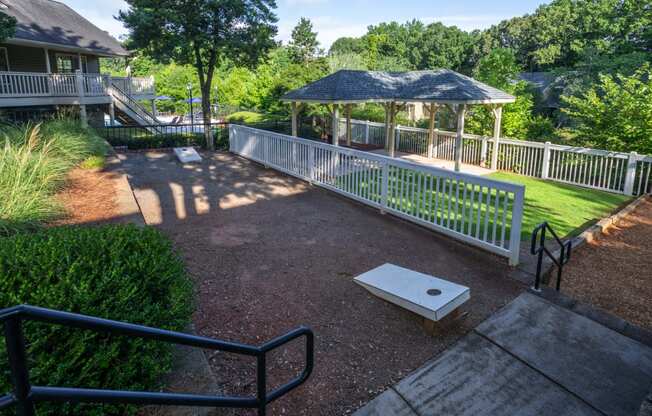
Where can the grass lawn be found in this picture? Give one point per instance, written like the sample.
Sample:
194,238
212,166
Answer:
568,209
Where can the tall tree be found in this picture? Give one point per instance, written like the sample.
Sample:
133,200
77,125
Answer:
7,26
615,113
201,33
304,45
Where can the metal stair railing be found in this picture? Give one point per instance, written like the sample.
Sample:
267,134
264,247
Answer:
26,395
148,118
539,233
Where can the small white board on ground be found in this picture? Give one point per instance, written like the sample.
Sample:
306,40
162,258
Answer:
425,295
187,154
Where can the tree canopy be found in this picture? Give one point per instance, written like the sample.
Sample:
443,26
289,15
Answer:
304,45
7,26
201,33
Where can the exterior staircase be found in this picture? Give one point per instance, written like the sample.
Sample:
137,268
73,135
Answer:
130,112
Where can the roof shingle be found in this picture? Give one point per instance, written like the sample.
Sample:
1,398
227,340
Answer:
52,22
442,85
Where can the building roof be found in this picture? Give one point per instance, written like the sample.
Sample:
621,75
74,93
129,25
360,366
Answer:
51,23
441,86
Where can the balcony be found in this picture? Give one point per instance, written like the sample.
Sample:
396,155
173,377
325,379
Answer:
32,88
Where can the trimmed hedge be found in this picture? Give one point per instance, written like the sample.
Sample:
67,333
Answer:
135,138
118,272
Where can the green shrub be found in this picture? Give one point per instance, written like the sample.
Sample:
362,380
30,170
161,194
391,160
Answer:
245,117
93,162
135,138
34,162
117,272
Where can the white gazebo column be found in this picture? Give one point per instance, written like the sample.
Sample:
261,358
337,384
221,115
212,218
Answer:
431,129
348,124
387,129
459,141
392,128
336,125
295,117
498,118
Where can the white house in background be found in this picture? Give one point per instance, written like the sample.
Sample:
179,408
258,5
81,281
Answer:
53,61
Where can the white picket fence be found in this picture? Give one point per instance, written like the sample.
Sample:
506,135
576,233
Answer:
626,173
480,211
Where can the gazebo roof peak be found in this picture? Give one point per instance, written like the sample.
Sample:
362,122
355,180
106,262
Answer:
439,86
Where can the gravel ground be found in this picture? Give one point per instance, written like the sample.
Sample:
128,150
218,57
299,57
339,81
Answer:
615,272
269,253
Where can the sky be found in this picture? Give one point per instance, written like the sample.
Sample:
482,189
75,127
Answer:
333,19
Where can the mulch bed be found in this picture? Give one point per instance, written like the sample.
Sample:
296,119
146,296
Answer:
615,272
88,198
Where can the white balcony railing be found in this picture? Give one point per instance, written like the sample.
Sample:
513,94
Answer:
33,84
134,86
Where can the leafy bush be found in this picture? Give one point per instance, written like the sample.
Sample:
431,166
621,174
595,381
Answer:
117,272
135,138
93,162
246,117
34,162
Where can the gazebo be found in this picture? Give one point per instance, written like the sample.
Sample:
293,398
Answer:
393,90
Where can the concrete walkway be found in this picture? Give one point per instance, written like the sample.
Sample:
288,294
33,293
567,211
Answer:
530,358
437,163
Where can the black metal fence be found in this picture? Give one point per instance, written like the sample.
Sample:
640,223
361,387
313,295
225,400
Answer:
175,135
26,395
165,135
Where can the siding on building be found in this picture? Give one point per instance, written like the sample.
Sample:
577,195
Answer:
28,59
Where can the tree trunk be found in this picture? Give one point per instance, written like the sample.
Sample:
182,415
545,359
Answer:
207,116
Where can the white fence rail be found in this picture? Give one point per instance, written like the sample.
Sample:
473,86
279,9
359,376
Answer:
477,210
134,85
626,173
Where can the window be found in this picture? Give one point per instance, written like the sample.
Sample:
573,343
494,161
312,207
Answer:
4,59
84,64
65,64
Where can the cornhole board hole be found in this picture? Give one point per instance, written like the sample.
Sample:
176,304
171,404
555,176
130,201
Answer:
436,300
187,154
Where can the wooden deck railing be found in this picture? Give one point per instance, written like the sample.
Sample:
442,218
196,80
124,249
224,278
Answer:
33,84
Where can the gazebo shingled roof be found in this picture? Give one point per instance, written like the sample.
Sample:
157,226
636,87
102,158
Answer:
440,86
437,88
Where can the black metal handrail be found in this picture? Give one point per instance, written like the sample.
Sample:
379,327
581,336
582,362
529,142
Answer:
25,395
564,254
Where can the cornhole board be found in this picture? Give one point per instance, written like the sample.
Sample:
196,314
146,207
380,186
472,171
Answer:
425,295
187,154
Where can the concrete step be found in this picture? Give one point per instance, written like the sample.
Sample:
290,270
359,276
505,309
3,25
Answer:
531,358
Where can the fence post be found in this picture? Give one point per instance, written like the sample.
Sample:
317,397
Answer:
311,164
384,188
18,365
517,222
366,132
545,166
397,132
435,147
483,152
630,176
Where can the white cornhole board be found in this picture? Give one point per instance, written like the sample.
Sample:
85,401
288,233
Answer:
187,154
409,289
